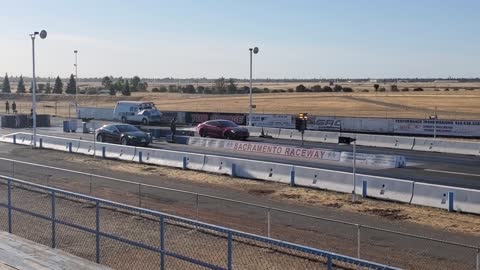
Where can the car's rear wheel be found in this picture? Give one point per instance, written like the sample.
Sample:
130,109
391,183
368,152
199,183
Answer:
202,133
228,136
99,138
124,141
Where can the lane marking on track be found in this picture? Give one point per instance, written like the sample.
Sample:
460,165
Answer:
459,173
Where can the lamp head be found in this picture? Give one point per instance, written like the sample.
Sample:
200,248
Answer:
43,34
255,50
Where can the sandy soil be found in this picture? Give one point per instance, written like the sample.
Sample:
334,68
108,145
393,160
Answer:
461,104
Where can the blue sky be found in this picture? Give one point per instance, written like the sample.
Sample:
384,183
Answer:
210,38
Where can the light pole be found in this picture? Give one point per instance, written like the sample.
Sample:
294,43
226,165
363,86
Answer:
43,35
76,78
250,111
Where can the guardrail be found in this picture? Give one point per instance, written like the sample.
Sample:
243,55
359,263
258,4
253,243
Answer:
463,200
63,219
358,240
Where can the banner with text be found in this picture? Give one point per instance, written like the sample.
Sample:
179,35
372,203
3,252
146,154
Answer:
443,127
283,150
273,120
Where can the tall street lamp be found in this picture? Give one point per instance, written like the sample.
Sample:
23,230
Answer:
76,78
43,35
250,111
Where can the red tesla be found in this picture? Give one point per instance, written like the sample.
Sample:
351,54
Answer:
222,129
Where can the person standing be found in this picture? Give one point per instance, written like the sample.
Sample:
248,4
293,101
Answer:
14,107
173,128
7,107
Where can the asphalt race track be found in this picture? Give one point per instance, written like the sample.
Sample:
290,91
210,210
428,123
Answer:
434,168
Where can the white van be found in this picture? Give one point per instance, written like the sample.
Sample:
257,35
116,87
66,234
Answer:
137,112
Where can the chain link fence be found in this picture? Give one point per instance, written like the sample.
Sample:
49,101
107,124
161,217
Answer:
125,237
356,240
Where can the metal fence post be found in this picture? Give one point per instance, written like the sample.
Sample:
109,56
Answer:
13,168
196,207
90,185
358,241
54,245
97,231
478,259
162,243
139,195
229,266
268,222
9,195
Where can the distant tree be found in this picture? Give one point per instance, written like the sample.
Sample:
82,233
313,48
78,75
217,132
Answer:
119,85
6,85
189,89
405,89
446,89
301,88
126,89
135,81
337,88
142,87
382,89
266,90
58,87
327,88
418,89
201,89
106,82
232,87
112,90
347,89
220,87
376,86
71,86
290,90
21,85
41,87
155,90
244,90
48,88
172,88
31,88
163,88
394,88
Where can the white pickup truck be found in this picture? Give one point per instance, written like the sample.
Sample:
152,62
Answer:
136,112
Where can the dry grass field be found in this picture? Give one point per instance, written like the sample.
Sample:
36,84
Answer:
460,102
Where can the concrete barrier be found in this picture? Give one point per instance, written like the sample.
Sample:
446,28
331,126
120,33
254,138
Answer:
422,144
221,165
456,147
23,138
290,134
395,142
321,136
268,171
324,179
122,152
464,200
385,188
171,158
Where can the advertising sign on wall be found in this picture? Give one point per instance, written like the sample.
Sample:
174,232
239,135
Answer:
443,127
273,120
325,123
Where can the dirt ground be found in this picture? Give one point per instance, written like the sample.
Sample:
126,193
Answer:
453,104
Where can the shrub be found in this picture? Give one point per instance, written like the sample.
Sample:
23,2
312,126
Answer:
365,90
418,89
456,89
337,88
327,89
290,90
275,91
155,90
382,89
163,88
316,88
347,89
405,89
266,90
282,90
446,89
394,88
301,88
